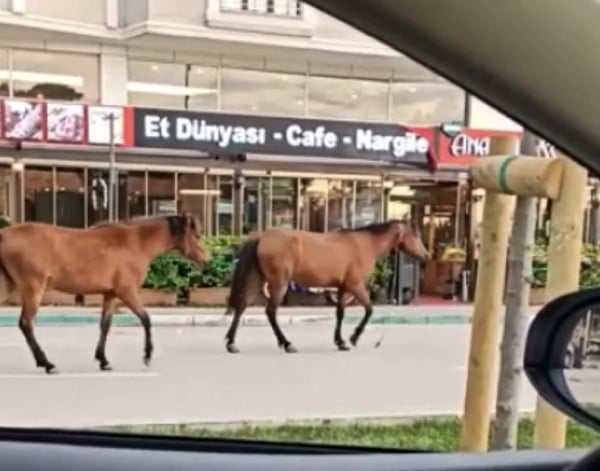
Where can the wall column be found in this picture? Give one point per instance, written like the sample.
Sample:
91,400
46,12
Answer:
113,77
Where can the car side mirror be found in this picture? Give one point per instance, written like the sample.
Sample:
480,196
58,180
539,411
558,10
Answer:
562,355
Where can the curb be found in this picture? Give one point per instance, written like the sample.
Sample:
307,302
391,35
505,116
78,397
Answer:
212,320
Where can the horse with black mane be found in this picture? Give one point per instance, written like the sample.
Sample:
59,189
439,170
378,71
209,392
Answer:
344,259
109,259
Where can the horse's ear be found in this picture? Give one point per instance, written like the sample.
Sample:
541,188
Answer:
400,232
197,225
408,224
191,222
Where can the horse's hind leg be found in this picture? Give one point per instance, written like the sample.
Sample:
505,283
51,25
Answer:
105,322
131,300
277,293
30,299
231,333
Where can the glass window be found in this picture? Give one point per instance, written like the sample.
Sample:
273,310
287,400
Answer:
251,91
203,80
55,76
339,204
225,205
169,85
159,85
256,192
97,188
427,103
368,203
198,194
265,7
314,198
132,195
400,201
284,196
161,193
38,183
4,91
6,191
347,98
70,197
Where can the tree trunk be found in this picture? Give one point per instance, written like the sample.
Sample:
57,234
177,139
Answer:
487,312
504,432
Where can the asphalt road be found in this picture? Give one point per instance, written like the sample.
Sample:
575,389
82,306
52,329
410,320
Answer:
585,387
418,370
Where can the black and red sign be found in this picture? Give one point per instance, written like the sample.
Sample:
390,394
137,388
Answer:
230,134
217,133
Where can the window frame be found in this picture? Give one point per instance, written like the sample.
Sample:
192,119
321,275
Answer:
302,26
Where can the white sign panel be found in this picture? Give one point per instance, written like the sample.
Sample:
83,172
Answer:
99,124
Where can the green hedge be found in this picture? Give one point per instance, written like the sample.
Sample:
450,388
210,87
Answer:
590,266
174,273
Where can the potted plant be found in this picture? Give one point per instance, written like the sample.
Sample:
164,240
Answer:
379,280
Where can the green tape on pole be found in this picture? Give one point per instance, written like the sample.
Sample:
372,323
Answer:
502,173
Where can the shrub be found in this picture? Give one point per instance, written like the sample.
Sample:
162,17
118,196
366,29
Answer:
589,271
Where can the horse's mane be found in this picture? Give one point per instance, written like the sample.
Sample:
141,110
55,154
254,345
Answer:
375,228
176,223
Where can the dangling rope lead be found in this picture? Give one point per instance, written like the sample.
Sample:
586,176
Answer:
382,332
395,278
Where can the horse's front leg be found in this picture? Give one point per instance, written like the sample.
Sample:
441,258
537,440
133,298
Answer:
338,340
361,294
131,299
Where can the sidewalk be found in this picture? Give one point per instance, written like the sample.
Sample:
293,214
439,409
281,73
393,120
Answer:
190,316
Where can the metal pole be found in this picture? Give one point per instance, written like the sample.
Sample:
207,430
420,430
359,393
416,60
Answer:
111,175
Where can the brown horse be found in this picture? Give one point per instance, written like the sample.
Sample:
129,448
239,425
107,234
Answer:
343,258
109,259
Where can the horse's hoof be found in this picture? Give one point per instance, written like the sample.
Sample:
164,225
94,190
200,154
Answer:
50,369
105,367
289,348
354,340
342,346
231,348
147,361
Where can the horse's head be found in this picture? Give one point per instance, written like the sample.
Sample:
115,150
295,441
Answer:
407,239
187,232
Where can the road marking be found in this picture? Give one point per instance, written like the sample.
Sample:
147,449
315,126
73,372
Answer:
77,375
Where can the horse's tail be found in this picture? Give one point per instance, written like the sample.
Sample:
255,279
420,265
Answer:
7,284
246,276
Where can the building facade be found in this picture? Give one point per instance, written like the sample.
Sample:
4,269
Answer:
249,113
